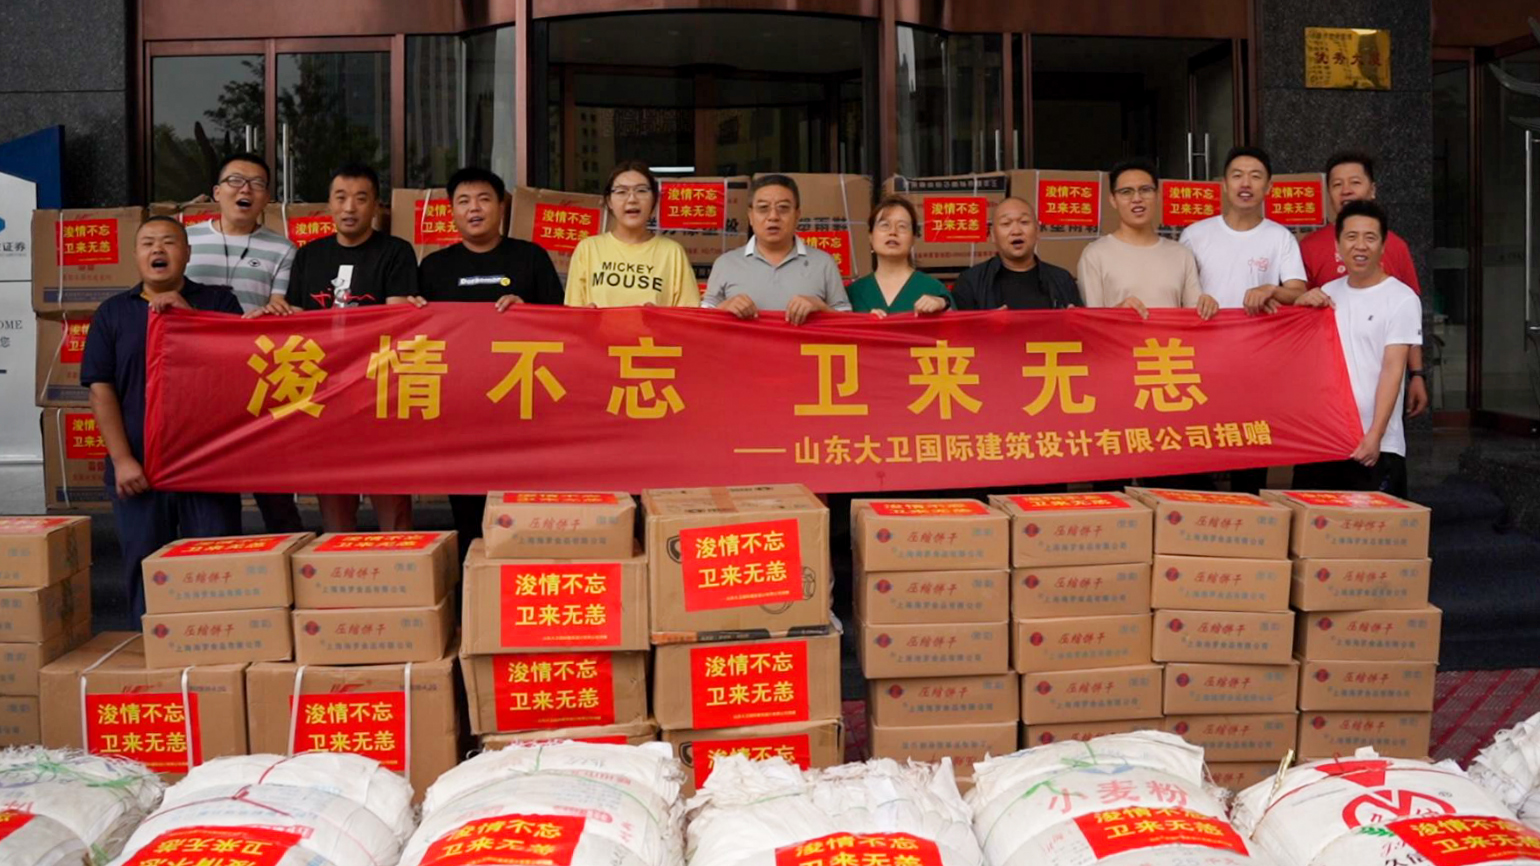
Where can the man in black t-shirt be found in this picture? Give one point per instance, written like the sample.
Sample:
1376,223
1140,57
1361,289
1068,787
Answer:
1016,279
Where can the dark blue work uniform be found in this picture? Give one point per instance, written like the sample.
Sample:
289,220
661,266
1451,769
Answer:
114,355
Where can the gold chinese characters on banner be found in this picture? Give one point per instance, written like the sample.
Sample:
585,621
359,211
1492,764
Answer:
1347,58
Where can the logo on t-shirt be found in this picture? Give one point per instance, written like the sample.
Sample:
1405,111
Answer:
1260,264
485,281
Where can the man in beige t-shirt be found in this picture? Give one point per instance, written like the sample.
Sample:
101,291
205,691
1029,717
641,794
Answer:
1135,267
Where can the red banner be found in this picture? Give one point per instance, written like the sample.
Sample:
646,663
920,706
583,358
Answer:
454,399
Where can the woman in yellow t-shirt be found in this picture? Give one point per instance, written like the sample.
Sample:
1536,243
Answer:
631,266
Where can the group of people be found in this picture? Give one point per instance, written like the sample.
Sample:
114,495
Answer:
1239,259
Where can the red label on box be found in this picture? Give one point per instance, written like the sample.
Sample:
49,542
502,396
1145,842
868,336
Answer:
372,724
558,228
796,749
553,690
875,849
748,685
30,525
82,441
216,546
87,242
692,206
11,821
1297,203
1345,499
836,244
303,230
1069,203
928,509
741,565
149,728
1184,202
192,219
525,840
1464,841
72,349
1119,830
956,219
437,227
1209,498
373,541
560,499
216,846
1070,502
566,605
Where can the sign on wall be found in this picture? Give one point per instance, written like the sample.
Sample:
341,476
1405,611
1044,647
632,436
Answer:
1347,58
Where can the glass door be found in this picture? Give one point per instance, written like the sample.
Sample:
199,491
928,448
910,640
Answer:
333,107
1211,117
202,108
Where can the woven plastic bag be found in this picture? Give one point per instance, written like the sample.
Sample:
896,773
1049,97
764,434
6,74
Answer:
1509,769
68,807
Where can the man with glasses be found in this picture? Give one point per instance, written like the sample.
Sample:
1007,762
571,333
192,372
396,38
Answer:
1134,267
775,270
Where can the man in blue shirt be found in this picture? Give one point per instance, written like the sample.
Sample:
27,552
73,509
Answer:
113,368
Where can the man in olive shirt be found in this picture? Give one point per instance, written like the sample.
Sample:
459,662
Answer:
1015,279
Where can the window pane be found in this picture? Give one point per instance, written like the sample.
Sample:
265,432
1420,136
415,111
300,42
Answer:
432,109
489,115
950,116
337,109
202,109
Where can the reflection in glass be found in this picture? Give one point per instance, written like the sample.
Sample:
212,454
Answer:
1448,340
201,110
337,110
950,116
489,115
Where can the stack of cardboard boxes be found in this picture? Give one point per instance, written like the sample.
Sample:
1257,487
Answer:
1367,638
932,601
747,657
1080,599
45,611
555,620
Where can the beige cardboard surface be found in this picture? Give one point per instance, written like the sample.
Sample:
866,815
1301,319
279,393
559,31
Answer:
1098,695
1234,738
375,569
1042,735
1220,583
928,535
935,650
85,261
1392,735
1360,584
944,700
1224,637
1346,525
521,524
615,735
1080,590
21,721
835,204
21,662
964,744
550,690
809,745
1240,775
41,550
373,635
174,640
46,613
1400,687
74,458
1218,689
547,605
61,343
704,246
949,207
740,683
898,597
1077,529
231,573
555,220
1370,635
1217,524
1076,643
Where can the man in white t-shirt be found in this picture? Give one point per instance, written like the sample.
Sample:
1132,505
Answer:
1379,319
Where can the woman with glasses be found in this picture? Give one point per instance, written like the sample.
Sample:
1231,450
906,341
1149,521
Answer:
896,286
630,265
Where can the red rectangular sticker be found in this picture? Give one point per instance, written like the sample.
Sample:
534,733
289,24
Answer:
1209,498
192,219
1069,203
82,441
11,821
956,219
1118,830
560,499
1297,203
526,840
742,565
88,242
1184,202
561,605
437,228
553,690
72,348
247,845
756,684
836,244
372,724
30,525
1345,499
303,230
1466,841
148,728
236,544
689,206
929,509
377,541
796,749
875,849
1070,502
559,228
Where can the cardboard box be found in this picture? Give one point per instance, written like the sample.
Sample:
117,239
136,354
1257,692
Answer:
1098,695
928,534
1224,637
1369,635
956,649
38,551
1360,584
634,734
61,345
809,745
1343,525
780,531
231,573
520,524
553,605
375,569
556,220
1224,689
956,229
300,223
966,745
1392,735
1217,524
1233,738
1077,529
944,700
1063,252
1080,590
176,640
719,209
37,614
20,662
1398,687
1042,735
898,597
1220,583
1069,204
428,228
374,701
373,635
555,690
74,458
123,697
741,683
82,257
1239,775
834,211
1078,643
21,721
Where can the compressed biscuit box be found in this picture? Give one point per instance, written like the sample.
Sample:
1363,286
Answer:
809,745
1080,590
375,569
1392,735
913,597
1246,637
615,735
964,744
20,663
1360,584
571,525
1074,643
82,257
935,649
733,684
20,721
1346,525
1042,735
1220,583
227,573
39,551
1238,776
1384,686
1076,529
372,635
1236,737
550,605
1195,523
176,640
1369,635
40,614
928,535
1103,694
943,700
1221,689
555,690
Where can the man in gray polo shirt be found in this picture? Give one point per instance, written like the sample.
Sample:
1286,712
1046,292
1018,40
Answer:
775,270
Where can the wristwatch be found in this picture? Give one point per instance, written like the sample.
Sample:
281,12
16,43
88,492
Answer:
1417,373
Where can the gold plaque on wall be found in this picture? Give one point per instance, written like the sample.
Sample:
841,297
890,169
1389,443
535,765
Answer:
1347,58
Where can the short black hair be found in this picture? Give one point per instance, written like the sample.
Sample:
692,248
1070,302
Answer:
1343,157
476,174
1138,163
219,173
1255,153
354,171
163,218
1364,208
765,180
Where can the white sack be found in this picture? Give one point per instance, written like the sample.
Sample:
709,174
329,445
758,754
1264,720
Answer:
1509,769
96,800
